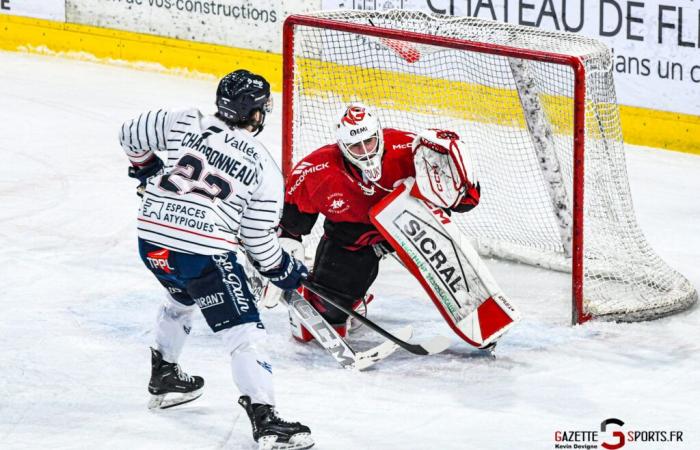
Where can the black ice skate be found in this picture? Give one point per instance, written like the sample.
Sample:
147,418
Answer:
169,385
273,433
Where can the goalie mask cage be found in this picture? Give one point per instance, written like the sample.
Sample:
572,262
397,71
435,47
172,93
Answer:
539,113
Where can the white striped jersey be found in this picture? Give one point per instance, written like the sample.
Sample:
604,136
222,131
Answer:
220,186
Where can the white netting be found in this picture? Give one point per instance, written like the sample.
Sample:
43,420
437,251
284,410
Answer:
517,114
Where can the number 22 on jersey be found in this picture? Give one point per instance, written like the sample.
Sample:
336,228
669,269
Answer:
189,176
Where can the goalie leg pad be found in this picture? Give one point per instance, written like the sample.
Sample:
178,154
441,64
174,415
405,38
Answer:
445,263
299,332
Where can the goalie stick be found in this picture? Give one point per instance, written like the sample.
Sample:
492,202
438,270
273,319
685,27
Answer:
434,345
332,342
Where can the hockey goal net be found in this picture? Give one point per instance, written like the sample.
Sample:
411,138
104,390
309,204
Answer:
539,112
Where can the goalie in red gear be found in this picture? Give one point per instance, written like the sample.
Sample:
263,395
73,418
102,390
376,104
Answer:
342,181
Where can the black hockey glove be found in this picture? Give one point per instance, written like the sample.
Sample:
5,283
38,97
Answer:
289,274
143,173
470,200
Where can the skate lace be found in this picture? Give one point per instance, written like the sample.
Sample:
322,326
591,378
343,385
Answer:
272,416
182,376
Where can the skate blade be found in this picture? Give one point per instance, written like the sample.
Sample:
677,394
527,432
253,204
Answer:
165,401
299,441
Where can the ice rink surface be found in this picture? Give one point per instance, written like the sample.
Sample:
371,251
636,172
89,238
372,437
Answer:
77,306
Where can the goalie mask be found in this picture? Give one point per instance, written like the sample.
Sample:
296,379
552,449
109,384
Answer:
359,137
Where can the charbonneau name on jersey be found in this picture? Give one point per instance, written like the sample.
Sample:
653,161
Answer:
234,167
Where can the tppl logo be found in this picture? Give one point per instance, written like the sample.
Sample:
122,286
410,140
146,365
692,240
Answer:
158,259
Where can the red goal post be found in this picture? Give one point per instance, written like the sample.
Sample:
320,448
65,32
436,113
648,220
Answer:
321,49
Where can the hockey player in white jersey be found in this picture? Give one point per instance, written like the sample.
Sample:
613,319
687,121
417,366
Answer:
215,195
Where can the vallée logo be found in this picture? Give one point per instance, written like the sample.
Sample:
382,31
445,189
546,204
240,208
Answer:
612,436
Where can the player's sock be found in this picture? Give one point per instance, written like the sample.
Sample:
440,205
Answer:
273,433
169,385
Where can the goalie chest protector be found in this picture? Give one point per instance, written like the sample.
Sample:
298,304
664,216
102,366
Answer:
323,182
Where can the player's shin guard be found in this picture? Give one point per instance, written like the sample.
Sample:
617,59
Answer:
172,328
250,365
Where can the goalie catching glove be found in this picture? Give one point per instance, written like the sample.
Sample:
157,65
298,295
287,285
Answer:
445,174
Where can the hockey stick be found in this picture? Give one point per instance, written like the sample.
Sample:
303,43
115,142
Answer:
332,342
435,345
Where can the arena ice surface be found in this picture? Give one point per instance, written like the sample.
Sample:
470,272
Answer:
77,308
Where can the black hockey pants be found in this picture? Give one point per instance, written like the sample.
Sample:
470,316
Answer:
343,270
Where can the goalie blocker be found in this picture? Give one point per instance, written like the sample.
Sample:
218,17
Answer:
445,263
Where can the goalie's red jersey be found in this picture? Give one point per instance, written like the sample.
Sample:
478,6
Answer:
324,182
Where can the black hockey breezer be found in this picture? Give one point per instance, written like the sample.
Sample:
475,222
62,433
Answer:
271,432
169,385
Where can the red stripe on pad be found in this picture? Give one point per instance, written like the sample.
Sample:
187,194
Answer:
491,318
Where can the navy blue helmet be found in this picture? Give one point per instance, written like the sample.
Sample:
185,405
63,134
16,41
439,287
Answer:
240,93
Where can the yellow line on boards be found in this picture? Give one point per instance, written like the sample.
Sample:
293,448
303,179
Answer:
662,129
641,126
20,33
